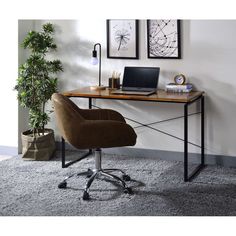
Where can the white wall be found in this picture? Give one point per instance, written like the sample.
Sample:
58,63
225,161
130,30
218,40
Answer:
24,26
8,100
208,52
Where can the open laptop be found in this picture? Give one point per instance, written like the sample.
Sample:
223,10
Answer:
139,81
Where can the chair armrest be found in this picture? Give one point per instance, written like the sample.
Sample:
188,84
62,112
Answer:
101,114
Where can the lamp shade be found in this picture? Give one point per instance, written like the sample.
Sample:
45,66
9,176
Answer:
94,60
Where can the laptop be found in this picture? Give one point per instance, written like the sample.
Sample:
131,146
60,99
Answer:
139,81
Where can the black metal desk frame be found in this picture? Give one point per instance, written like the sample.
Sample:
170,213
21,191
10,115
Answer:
187,176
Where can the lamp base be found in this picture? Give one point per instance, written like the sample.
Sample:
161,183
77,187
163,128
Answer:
98,87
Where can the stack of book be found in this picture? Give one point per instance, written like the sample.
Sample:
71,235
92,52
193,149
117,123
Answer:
179,88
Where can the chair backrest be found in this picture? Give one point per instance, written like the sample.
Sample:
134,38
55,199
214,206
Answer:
68,117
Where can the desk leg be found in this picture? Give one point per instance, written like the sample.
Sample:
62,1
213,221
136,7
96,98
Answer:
63,159
90,107
202,132
186,142
63,152
197,170
90,103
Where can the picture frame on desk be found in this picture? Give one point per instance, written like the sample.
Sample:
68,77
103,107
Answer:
163,39
123,39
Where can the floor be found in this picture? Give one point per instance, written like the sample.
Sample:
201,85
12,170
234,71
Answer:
29,188
4,157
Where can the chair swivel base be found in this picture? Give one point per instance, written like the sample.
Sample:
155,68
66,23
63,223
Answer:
97,172
93,174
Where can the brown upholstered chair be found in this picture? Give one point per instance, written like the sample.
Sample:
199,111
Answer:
93,129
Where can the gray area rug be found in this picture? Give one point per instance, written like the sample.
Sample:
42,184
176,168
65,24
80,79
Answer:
29,188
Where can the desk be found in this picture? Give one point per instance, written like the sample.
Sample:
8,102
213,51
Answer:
161,96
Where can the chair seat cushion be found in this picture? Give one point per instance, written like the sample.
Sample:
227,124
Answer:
105,134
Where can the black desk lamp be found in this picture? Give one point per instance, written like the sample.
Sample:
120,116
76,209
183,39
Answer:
95,61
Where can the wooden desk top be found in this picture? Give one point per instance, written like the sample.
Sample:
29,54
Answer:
160,96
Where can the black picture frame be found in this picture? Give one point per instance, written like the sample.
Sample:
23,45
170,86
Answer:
122,39
163,39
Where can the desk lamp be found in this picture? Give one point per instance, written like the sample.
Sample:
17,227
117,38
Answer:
95,61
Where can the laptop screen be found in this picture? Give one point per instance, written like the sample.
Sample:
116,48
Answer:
141,77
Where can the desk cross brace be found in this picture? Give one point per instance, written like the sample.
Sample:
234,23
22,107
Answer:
157,122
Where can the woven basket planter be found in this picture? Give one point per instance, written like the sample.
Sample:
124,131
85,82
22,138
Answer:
40,148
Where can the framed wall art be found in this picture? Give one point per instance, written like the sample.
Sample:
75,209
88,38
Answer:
163,39
122,39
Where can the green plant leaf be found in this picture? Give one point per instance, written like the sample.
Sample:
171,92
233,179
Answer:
37,82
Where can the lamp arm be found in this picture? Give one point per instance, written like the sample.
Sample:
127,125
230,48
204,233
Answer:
100,62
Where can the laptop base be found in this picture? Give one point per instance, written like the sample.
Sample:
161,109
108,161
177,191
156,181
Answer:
139,93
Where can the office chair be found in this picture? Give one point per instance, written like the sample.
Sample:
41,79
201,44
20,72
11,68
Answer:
93,129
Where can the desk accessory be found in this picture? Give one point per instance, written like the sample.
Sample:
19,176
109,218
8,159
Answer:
114,81
180,79
139,81
179,85
179,88
95,61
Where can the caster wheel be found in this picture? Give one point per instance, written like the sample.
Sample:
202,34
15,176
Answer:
126,178
85,195
90,173
128,190
62,185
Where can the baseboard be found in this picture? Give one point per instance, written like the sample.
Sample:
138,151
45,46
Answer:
8,151
221,160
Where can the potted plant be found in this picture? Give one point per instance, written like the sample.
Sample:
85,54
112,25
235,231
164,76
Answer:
35,85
